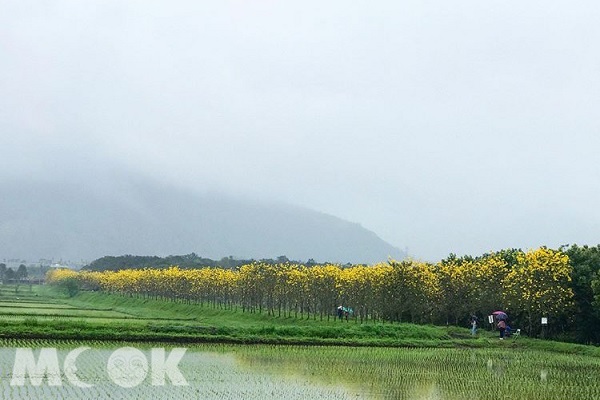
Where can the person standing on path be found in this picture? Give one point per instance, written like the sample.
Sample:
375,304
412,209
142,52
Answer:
502,328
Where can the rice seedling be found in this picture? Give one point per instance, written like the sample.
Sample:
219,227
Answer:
220,371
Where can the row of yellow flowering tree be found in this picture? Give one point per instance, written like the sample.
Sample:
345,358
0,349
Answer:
530,285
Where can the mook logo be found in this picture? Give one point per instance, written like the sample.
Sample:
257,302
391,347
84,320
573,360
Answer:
127,367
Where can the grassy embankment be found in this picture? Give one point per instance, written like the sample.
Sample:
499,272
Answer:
45,312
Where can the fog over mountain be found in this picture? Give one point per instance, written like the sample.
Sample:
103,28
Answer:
141,217
444,127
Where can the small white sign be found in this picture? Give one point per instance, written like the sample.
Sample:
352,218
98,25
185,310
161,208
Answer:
491,319
544,321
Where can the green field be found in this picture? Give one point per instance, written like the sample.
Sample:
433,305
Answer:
45,312
44,304
222,371
225,357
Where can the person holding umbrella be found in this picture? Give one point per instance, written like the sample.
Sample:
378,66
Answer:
501,316
502,328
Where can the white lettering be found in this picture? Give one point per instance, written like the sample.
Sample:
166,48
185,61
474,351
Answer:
47,365
70,367
160,367
127,367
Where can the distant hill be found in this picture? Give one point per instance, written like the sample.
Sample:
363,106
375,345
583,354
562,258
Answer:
46,220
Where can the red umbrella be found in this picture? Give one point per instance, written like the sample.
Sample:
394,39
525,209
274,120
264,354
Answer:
500,315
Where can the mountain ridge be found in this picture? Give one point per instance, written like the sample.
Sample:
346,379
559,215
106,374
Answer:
142,217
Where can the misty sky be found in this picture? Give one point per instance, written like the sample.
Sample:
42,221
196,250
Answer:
443,126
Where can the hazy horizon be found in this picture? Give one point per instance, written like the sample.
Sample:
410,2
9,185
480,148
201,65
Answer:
443,127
